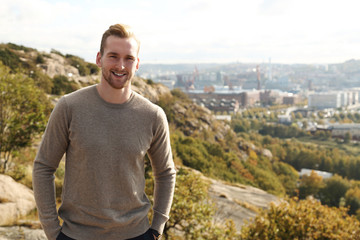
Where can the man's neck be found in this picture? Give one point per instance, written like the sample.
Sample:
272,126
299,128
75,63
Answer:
112,95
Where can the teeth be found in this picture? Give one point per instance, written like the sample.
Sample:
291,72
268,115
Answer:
119,74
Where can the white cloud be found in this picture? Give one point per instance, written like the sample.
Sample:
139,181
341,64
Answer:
287,30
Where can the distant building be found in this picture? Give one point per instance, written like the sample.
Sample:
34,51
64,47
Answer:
290,100
214,103
168,83
284,119
324,100
337,99
339,130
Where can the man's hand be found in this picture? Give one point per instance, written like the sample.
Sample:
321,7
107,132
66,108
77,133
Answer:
156,234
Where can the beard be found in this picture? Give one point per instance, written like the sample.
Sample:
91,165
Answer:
113,80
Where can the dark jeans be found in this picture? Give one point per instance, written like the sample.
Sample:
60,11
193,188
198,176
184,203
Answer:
62,236
146,236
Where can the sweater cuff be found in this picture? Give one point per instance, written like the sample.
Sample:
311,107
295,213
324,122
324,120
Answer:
159,221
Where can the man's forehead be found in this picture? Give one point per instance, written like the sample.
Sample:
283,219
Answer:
117,42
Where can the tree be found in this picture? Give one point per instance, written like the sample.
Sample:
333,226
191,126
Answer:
24,109
310,185
352,198
335,189
305,219
347,137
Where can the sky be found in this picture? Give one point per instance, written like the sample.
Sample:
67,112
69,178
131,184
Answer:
192,31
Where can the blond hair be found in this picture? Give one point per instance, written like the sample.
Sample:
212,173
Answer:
119,30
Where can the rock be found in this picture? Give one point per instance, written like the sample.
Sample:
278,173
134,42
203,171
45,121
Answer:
16,200
238,202
150,91
267,153
56,65
17,232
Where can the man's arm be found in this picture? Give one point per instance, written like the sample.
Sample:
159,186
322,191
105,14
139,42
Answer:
52,148
164,172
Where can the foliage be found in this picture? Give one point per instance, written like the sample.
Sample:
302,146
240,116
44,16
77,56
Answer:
83,67
40,59
10,59
19,47
288,177
62,85
310,185
24,109
268,181
352,198
210,159
334,190
57,52
305,219
281,131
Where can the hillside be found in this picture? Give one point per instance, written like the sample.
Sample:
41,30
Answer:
189,124
240,166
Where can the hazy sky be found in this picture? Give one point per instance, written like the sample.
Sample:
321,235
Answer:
287,31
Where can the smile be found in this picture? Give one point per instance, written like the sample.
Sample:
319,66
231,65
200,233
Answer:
119,74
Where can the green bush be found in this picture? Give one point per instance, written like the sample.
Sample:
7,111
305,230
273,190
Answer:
62,85
305,219
10,59
40,59
24,109
83,67
334,190
93,68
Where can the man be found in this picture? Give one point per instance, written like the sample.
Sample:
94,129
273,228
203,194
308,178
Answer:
105,131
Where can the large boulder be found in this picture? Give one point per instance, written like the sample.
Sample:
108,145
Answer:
238,202
17,232
16,200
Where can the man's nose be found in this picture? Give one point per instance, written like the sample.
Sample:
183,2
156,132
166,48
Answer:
121,64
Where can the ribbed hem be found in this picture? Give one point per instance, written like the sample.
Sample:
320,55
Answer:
159,221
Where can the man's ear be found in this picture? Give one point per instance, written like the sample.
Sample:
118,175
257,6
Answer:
98,59
137,65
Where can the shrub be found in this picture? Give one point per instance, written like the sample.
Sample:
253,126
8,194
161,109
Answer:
39,59
24,109
93,68
62,85
83,67
305,219
10,59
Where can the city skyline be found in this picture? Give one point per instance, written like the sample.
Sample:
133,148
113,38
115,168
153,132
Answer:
192,31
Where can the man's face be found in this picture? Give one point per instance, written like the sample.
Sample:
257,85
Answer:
119,61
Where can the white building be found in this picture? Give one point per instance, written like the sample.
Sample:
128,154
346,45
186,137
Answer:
338,99
325,100
324,175
339,130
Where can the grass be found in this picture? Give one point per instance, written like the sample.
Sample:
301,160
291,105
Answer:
350,148
247,206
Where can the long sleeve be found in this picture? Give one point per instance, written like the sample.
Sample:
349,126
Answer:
164,172
52,148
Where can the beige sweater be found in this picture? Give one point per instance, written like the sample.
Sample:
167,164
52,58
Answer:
103,195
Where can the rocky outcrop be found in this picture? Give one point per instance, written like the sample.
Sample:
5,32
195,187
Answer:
16,200
238,202
57,65
151,91
16,233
